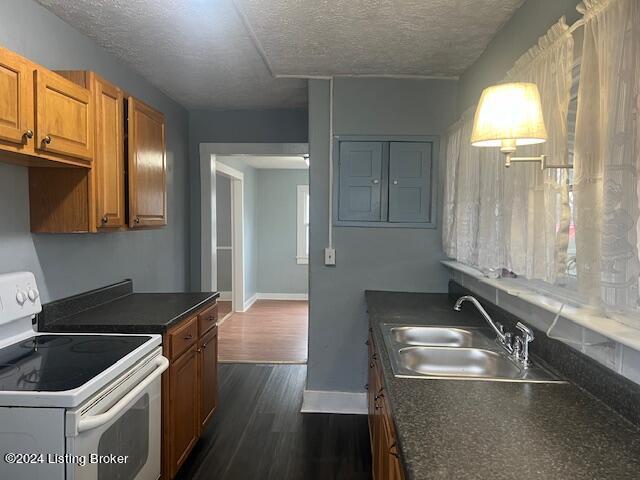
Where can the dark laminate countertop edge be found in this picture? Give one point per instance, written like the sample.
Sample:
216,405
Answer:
76,324
419,467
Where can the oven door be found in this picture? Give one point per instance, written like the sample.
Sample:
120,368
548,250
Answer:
116,435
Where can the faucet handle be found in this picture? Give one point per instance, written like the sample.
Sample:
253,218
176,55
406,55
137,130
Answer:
500,327
526,332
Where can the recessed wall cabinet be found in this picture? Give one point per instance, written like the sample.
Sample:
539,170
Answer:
385,183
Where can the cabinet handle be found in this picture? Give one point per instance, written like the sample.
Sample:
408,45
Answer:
395,181
47,139
28,134
376,181
204,346
137,219
391,452
188,337
105,219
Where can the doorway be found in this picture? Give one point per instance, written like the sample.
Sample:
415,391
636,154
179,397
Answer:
258,237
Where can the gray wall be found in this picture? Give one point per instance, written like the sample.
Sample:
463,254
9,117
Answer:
223,231
157,260
278,271
522,31
367,258
242,126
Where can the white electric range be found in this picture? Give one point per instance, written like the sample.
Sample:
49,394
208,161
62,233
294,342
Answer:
75,406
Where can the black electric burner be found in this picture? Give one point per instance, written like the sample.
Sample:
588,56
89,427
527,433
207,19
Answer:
55,363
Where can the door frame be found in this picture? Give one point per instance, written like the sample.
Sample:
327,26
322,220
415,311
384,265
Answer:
237,235
208,242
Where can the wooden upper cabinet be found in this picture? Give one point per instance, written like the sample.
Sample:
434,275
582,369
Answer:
147,165
109,153
16,100
64,116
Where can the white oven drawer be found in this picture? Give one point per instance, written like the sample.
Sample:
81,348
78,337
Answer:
117,434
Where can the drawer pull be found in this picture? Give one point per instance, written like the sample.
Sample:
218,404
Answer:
47,139
189,337
28,134
391,450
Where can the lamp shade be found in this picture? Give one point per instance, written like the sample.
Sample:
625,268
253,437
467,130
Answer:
509,113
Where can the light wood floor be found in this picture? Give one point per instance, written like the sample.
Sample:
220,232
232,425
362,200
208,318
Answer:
224,308
271,331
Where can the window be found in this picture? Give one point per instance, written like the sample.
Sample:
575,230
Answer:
302,256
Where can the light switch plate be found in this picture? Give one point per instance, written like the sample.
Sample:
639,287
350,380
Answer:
329,256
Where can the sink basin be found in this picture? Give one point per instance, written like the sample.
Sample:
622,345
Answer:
457,362
438,336
455,353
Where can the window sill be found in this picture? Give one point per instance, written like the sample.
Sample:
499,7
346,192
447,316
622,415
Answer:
581,315
302,260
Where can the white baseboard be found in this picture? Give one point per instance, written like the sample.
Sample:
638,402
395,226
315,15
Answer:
225,296
282,296
249,302
324,401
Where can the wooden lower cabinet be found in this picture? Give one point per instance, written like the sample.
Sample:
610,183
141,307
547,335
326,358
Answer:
183,407
208,372
384,448
189,388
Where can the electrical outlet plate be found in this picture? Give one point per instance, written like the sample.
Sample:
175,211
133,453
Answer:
329,256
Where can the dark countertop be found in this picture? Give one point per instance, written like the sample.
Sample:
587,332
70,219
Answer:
496,430
132,313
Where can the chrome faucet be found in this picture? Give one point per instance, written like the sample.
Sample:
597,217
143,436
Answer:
517,347
521,345
504,339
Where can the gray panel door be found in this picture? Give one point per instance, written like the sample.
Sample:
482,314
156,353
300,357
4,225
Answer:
360,181
410,170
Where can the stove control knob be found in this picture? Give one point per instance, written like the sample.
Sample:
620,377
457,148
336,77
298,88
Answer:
21,297
33,294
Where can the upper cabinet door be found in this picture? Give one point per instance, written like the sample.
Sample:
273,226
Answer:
64,116
147,167
410,172
16,111
361,182
109,164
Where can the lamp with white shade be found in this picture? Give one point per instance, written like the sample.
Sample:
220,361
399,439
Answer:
509,115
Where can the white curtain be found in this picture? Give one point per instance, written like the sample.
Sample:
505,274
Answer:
540,215
607,154
516,218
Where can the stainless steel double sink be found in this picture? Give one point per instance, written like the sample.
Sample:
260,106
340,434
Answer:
455,353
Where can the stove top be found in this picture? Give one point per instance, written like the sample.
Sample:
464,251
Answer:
55,363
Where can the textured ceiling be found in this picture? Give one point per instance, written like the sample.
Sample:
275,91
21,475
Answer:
266,162
214,54
196,51
391,37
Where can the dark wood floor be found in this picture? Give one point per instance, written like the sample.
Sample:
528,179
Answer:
258,432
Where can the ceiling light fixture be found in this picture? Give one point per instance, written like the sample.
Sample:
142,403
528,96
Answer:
508,115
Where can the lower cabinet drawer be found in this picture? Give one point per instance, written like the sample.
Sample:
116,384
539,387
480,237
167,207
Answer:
183,337
208,319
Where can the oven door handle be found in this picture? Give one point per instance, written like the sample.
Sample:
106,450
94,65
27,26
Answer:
94,421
